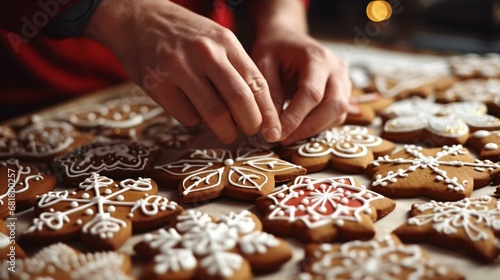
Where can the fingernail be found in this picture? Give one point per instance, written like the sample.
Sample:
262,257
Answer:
272,134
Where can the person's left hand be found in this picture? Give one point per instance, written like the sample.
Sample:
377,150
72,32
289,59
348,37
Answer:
316,81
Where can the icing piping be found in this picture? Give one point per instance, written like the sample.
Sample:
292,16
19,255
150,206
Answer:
19,171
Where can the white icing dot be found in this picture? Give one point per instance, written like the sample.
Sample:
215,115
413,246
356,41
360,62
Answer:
305,201
73,204
481,134
79,222
228,162
131,215
120,198
111,209
339,222
344,200
491,146
89,212
85,196
73,193
281,195
108,191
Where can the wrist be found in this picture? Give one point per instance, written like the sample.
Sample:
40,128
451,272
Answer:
276,16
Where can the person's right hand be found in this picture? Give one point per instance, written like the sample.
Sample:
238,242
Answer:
194,68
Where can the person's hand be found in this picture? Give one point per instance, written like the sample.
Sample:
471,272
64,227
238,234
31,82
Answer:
300,69
193,67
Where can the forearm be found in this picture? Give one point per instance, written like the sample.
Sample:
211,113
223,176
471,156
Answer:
270,15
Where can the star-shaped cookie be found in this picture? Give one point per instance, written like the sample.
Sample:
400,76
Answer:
470,224
321,210
101,212
204,174
198,247
446,173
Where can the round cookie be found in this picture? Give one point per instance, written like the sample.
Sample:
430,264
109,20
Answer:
23,183
323,210
60,261
209,173
382,258
471,225
101,212
347,148
198,247
168,133
117,158
43,141
446,173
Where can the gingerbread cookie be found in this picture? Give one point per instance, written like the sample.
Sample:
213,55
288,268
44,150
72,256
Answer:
382,258
322,210
415,81
209,173
363,107
9,249
424,122
476,66
119,118
101,212
471,224
43,141
168,133
21,184
347,148
60,261
198,247
117,158
446,173
486,144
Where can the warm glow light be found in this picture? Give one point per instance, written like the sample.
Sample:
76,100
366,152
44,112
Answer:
378,10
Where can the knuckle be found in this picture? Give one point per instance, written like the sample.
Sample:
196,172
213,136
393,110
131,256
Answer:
318,52
225,35
258,85
216,110
241,96
313,94
340,106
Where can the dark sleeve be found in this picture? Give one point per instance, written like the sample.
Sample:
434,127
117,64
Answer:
27,18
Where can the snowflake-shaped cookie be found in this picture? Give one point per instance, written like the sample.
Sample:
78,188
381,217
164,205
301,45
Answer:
472,224
378,259
21,184
197,247
447,173
421,120
60,261
118,118
117,158
476,66
101,211
319,210
363,107
209,173
348,148
7,239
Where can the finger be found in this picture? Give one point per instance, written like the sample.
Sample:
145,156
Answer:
211,108
271,126
237,95
176,103
271,71
330,113
310,92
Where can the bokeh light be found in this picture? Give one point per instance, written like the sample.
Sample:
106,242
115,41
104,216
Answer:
378,10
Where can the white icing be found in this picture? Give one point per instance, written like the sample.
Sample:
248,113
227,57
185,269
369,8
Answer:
379,259
474,216
206,169
419,161
34,141
100,207
322,199
491,146
196,241
348,141
481,134
24,176
487,66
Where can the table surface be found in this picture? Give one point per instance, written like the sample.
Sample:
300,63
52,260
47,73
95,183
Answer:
354,54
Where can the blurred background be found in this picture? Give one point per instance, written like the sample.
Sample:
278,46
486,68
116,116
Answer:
440,25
